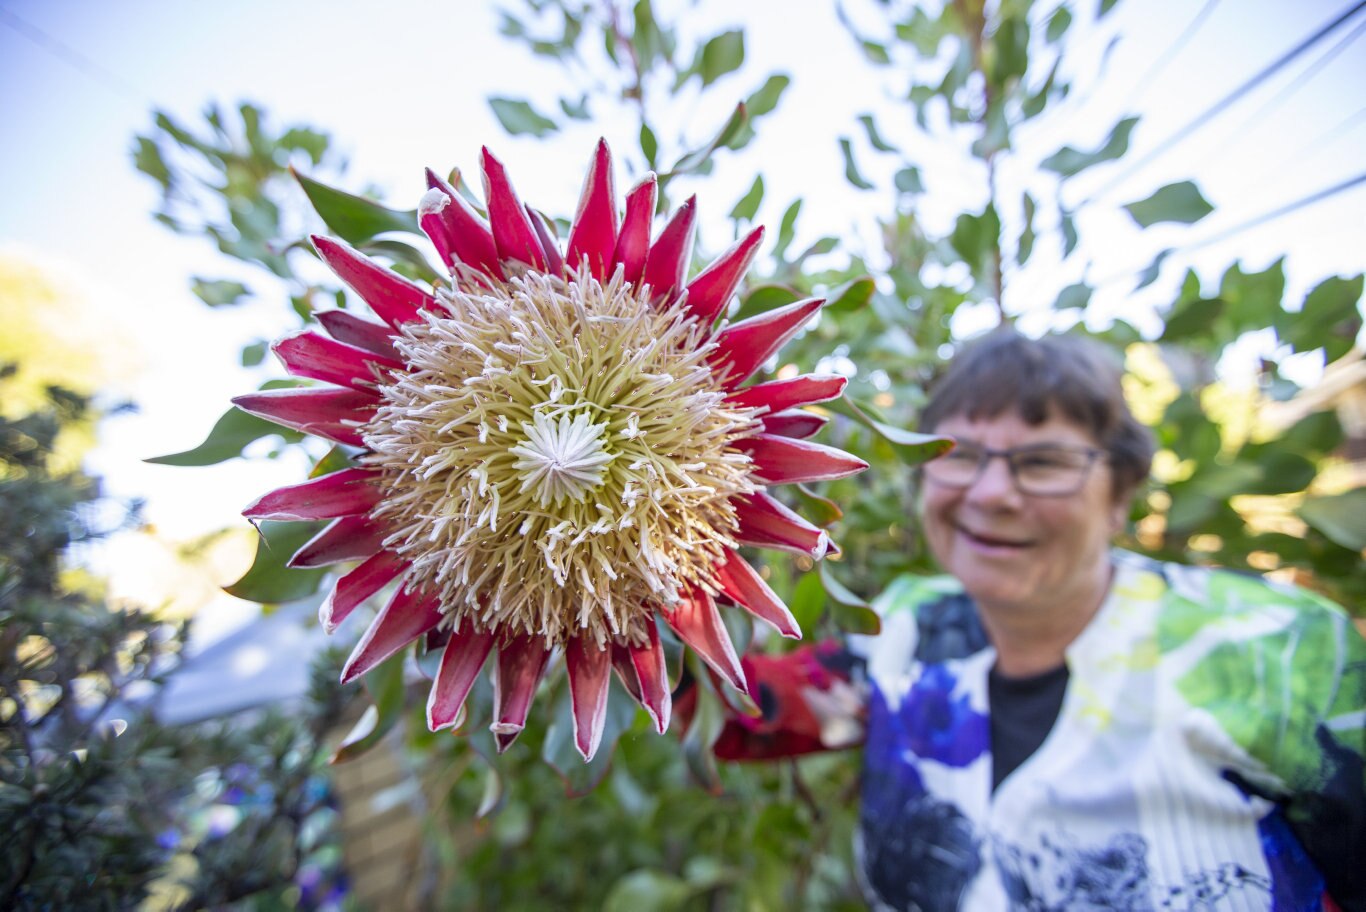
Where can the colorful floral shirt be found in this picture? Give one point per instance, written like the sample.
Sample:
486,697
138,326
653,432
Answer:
1209,745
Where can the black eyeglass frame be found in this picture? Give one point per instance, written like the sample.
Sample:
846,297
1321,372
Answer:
986,454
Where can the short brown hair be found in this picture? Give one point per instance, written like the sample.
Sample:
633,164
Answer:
1070,376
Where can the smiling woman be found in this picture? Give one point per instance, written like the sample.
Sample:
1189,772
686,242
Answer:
1062,725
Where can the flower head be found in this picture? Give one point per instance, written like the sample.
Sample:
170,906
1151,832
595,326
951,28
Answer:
554,450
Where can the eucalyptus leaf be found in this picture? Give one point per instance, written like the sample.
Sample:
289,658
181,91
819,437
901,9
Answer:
766,98
721,55
518,117
1340,517
1180,202
355,218
851,171
268,580
228,437
748,204
874,137
1068,161
219,292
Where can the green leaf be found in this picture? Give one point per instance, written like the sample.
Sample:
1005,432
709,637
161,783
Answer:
874,138
219,292
1076,295
1105,7
1068,227
910,447
1340,517
577,110
558,749
254,353
708,719
766,98
820,510
975,239
807,602
850,612
876,53
851,297
1194,318
518,117
748,204
721,55
787,228
384,684
1068,161
147,159
1058,24
851,172
765,298
268,580
649,146
1150,275
647,890
821,246
695,159
1180,202
1329,318
1027,236
907,180
228,437
354,218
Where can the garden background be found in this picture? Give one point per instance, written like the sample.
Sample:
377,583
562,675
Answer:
1180,179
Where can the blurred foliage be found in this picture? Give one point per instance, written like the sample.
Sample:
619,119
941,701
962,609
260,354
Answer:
101,805
1230,487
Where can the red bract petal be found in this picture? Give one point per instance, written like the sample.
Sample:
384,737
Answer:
343,493
746,588
782,460
590,670
593,233
668,259
797,423
521,663
316,357
351,329
652,678
408,615
330,413
545,236
456,229
513,233
392,297
766,523
460,663
344,539
697,622
743,347
633,243
710,289
626,672
778,395
358,585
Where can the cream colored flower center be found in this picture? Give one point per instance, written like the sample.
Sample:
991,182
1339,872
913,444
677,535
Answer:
559,458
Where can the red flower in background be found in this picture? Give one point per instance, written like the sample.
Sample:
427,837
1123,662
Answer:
556,449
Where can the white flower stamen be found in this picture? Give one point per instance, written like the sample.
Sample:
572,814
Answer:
563,460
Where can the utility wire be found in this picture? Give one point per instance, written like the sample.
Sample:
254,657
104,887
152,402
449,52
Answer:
73,58
1143,82
1219,106
1316,197
1290,89
1318,142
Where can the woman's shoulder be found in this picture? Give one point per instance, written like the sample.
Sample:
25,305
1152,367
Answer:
928,619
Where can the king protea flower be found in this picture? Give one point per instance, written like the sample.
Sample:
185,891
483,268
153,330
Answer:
556,449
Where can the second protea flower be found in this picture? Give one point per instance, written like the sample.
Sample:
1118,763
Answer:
555,450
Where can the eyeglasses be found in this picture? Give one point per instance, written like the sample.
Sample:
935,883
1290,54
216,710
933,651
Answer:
1041,470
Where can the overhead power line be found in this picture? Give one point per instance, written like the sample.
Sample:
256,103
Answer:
72,57
1143,82
1219,106
1247,225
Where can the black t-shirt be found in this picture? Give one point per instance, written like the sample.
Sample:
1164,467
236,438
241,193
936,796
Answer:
1023,711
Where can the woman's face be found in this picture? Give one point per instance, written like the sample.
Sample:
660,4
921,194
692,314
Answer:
1019,551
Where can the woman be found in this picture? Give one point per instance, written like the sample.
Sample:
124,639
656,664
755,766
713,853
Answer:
1065,726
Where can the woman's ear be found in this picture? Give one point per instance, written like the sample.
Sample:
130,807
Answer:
1119,510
